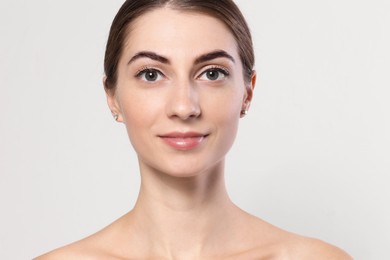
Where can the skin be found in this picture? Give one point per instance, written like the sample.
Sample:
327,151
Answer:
183,210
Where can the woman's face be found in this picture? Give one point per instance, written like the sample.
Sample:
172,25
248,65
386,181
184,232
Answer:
180,91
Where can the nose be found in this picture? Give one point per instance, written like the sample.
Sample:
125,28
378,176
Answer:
184,101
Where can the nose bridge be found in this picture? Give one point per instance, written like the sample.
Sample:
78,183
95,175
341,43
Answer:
184,99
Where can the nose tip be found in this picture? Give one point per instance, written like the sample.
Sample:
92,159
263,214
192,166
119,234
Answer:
184,102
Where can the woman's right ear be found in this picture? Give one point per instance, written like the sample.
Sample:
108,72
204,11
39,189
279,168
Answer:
112,101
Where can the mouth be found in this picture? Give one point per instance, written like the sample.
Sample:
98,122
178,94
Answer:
184,141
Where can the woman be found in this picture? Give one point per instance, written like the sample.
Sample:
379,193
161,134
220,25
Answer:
179,75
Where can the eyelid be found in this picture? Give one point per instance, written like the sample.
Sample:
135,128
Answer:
147,68
220,68
141,75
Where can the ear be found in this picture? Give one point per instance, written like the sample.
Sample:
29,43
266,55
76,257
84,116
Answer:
249,92
112,102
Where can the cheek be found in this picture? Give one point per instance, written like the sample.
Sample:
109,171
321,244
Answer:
225,118
138,107
139,113
225,107
130,108
223,111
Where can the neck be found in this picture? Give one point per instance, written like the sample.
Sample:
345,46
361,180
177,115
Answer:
177,215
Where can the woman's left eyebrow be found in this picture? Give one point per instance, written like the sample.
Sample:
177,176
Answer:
214,55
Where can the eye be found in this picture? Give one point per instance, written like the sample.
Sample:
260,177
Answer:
214,74
150,75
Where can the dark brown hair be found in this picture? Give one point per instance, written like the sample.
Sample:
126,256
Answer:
224,10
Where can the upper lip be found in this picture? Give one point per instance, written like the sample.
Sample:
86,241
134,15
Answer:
182,135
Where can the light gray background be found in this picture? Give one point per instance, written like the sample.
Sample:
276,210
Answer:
312,156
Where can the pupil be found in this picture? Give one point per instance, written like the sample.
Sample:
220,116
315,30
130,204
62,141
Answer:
151,76
212,75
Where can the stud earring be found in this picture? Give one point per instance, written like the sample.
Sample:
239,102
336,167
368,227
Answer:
244,112
115,117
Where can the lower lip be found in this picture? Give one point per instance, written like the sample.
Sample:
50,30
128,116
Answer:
183,143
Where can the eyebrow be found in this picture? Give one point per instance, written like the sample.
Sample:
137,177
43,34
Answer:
214,55
201,59
150,55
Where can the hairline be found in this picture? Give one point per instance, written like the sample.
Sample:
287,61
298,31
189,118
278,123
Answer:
226,16
176,7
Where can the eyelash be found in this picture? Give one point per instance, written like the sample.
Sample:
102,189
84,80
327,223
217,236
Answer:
220,69
147,69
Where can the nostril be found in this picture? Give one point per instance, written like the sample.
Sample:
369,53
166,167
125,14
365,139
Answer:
186,113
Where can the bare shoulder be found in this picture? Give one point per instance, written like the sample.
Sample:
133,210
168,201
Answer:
309,248
100,245
57,254
105,244
61,253
77,250
92,247
270,242
291,247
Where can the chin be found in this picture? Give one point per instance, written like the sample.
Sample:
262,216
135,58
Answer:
188,170
182,172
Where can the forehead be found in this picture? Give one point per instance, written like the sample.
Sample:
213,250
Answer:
173,32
